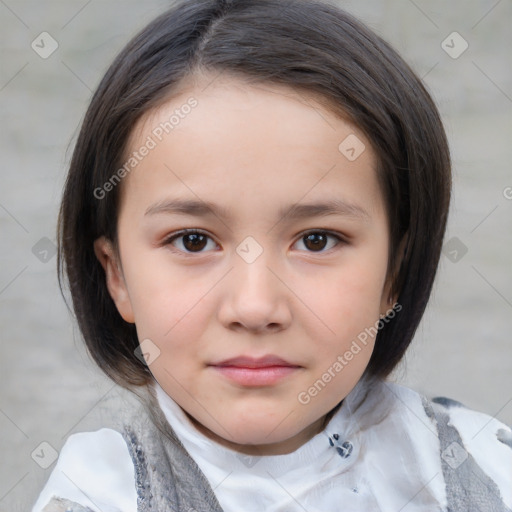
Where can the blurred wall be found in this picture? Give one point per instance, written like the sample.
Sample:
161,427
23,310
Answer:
49,387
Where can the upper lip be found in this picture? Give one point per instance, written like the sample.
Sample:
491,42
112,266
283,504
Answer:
254,362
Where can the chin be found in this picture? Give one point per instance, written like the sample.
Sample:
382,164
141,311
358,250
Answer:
260,435
266,438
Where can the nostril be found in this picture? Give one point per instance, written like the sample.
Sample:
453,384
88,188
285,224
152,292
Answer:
274,326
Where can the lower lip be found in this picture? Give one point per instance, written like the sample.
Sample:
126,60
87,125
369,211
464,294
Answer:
264,376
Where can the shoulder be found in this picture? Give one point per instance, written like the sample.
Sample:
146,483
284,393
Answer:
95,470
483,440
472,444
483,435
476,427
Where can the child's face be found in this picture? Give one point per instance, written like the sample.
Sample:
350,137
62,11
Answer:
251,153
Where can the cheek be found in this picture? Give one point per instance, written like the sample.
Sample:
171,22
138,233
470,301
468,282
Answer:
346,306
166,299
348,296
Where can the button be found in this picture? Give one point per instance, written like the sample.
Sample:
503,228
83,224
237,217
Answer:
344,448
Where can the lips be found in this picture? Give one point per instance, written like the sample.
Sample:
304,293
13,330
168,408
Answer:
251,362
250,371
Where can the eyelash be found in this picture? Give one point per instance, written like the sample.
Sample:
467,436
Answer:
168,241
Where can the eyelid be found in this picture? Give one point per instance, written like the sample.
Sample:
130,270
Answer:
335,234
187,231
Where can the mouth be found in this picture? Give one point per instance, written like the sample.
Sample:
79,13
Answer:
255,372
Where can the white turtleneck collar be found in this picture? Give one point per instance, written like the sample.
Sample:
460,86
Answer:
276,482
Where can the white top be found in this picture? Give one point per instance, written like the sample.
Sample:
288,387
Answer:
391,461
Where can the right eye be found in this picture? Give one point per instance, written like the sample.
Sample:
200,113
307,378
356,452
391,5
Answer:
190,241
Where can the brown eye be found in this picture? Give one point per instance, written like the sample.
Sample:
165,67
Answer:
315,241
191,242
319,241
194,242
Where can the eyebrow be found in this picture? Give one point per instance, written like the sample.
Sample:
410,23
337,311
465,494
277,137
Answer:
198,208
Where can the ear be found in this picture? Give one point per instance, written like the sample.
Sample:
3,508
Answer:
116,285
388,299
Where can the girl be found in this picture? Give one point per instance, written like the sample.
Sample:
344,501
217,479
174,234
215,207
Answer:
251,227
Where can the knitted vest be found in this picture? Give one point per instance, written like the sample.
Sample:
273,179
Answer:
169,480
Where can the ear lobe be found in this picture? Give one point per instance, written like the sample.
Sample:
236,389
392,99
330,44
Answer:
116,285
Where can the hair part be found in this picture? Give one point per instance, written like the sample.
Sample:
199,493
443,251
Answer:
310,46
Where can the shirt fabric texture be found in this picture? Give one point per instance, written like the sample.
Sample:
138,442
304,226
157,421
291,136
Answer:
387,448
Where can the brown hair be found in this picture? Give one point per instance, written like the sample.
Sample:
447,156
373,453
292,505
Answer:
304,44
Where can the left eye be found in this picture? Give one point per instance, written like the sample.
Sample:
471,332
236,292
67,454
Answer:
317,241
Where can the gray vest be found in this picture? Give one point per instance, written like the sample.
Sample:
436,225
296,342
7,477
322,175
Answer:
168,480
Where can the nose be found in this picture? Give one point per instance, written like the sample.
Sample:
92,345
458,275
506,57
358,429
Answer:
255,299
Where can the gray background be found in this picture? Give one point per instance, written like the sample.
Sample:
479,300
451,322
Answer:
50,389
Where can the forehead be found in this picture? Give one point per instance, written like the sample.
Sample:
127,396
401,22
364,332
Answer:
229,138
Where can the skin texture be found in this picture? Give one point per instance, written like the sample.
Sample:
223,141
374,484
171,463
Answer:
252,150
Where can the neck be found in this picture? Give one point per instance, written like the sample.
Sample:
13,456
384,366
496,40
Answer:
281,448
